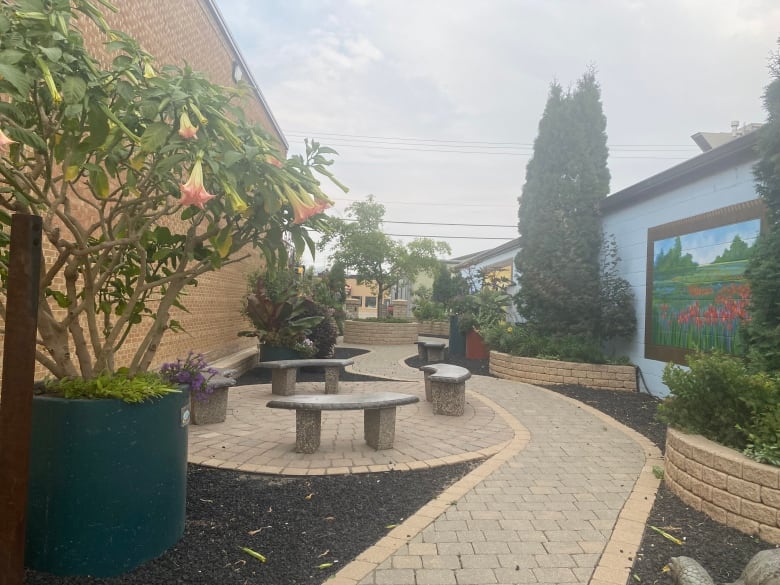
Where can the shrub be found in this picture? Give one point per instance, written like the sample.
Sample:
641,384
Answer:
719,398
324,334
386,320
522,340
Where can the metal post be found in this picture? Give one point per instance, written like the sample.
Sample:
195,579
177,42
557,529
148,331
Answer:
17,390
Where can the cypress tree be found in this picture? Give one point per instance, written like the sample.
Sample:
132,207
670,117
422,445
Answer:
559,221
763,330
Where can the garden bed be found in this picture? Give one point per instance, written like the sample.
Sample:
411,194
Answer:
724,484
379,333
434,328
553,372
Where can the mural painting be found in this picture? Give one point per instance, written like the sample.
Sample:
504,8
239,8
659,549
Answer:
698,293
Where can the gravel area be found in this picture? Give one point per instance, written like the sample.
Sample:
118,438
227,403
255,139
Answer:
302,524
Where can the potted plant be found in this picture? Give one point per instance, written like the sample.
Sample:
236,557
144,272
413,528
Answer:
146,178
208,389
277,308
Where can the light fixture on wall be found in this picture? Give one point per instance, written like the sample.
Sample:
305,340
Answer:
238,73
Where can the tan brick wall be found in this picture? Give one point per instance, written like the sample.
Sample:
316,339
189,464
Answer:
724,484
437,328
545,372
374,333
175,32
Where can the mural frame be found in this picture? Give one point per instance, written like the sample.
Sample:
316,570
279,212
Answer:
725,216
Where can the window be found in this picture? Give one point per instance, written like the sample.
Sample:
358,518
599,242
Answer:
371,302
359,299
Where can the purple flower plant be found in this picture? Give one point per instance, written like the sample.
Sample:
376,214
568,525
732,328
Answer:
192,371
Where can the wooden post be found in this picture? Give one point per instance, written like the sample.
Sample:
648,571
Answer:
21,321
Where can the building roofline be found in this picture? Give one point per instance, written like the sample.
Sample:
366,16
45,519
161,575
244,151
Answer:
211,4
734,152
479,256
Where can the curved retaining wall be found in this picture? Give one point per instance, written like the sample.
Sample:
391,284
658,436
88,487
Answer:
375,333
543,372
724,484
437,328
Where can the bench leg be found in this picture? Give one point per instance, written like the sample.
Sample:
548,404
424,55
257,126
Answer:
428,386
308,424
448,399
283,381
379,427
332,380
435,354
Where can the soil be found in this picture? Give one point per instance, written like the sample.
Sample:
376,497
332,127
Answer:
308,528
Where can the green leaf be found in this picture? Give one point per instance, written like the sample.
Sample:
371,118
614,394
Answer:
27,137
154,136
11,56
15,77
98,127
62,301
52,53
73,89
231,157
99,181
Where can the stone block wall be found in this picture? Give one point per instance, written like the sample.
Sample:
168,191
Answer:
435,328
724,484
375,333
545,372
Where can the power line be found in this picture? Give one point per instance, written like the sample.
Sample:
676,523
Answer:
449,237
445,224
430,204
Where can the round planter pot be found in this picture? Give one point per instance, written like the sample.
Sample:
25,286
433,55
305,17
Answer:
270,353
212,410
108,483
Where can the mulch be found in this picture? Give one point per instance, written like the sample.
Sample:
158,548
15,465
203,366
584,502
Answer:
308,528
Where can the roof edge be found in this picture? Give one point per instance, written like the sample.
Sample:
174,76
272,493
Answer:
739,150
211,4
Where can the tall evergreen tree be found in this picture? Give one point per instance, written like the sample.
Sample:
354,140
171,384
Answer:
559,220
763,330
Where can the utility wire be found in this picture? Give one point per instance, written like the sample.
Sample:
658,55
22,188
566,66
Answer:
446,224
449,237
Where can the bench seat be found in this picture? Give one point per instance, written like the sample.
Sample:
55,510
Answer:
378,419
285,372
431,351
445,387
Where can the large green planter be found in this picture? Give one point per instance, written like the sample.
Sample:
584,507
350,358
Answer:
457,341
270,353
108,483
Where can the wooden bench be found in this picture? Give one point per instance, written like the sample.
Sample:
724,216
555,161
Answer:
430,351
284,373
445,386
378,419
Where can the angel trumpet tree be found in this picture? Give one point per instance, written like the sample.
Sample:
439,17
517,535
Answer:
136,202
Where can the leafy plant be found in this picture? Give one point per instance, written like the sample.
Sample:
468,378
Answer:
118,385
193,372
146,178
721,399
323,335
523,340
425,308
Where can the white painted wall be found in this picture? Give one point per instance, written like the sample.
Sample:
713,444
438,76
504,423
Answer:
630,225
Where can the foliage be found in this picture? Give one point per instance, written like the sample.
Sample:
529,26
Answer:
277,308
137,201
523,340
425,308
193,372
721,399
330,292
324,335
118,385
617,316
377,259
484,308
763,330
448,285
387,319
559,222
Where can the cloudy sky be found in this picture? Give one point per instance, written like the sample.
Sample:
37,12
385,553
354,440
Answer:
433,105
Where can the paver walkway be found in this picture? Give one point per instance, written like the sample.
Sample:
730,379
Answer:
563,498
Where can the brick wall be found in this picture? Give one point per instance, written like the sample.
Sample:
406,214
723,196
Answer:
375,333
544,372
724,484
437,328
175,32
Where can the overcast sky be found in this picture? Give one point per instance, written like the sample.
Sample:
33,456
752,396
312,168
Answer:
434,105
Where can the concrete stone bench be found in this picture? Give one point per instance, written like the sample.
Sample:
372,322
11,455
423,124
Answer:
284,373
445,386
430,351
378,419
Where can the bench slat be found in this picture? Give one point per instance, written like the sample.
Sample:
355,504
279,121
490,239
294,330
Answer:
306,363
343,401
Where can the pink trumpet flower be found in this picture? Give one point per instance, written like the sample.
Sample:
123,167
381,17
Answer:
186,128
5,142
193,192
302,208
272,160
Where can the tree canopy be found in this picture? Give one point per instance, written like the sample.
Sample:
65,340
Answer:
566,178
376,259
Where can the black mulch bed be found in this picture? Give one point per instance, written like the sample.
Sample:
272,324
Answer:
302,523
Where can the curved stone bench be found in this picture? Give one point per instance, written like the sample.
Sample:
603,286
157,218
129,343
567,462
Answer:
430,351
285,372
445,386
378,419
